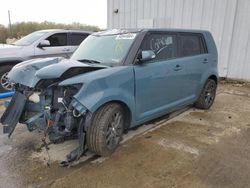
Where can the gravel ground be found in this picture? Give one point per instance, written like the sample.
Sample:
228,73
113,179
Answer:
194,149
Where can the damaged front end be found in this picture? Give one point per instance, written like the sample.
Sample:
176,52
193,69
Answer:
48,107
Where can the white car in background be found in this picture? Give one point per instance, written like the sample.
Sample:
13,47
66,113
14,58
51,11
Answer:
43,43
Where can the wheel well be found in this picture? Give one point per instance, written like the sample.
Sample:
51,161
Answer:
213,77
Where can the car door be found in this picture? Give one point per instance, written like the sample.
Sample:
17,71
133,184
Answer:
75,39
159,82
193,53
58,46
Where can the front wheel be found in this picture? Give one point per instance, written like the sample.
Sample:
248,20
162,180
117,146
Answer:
5,85
106,129
207,96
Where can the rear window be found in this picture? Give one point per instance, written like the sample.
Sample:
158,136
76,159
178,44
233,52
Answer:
77,38
191,44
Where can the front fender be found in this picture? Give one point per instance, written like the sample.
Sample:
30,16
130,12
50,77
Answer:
106,85
95,100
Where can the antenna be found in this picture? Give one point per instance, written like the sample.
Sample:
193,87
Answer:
9,22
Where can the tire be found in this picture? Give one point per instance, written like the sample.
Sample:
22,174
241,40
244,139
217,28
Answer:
106,129
4,85
207,96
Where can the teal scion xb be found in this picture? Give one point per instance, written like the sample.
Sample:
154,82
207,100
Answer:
115,80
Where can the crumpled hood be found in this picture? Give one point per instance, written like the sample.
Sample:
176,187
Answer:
30,72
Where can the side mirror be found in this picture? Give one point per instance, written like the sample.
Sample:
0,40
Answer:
146,55
44,43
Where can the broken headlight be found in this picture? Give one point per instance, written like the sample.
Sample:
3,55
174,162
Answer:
64,95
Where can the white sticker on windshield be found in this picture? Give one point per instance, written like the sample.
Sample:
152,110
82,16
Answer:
126,36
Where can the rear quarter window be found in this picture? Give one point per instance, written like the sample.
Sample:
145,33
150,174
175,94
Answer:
192,44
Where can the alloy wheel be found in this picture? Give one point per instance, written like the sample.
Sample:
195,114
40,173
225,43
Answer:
5,82
114,130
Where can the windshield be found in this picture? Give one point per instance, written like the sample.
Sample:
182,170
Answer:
106,49
29,39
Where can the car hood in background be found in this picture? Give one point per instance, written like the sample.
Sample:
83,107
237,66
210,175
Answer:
30,72
7,50
9,46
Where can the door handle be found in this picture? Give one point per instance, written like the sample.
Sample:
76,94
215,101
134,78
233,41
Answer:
177,68
205,61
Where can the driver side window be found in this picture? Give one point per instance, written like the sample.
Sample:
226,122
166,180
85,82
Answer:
162,44
59,39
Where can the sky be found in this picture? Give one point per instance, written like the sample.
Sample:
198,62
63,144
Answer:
90,12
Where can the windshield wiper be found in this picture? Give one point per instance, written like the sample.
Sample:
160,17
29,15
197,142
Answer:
89,61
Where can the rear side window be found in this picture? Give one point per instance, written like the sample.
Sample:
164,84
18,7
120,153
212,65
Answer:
163,45
191,44
77,38
59,39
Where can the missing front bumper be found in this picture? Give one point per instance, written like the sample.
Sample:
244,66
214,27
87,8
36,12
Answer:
12,114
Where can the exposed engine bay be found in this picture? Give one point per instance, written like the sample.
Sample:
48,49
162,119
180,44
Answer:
46,106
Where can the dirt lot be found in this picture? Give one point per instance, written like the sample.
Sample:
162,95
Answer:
194,149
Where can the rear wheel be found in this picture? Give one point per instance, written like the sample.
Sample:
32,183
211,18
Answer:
207,96
5,85
106,129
